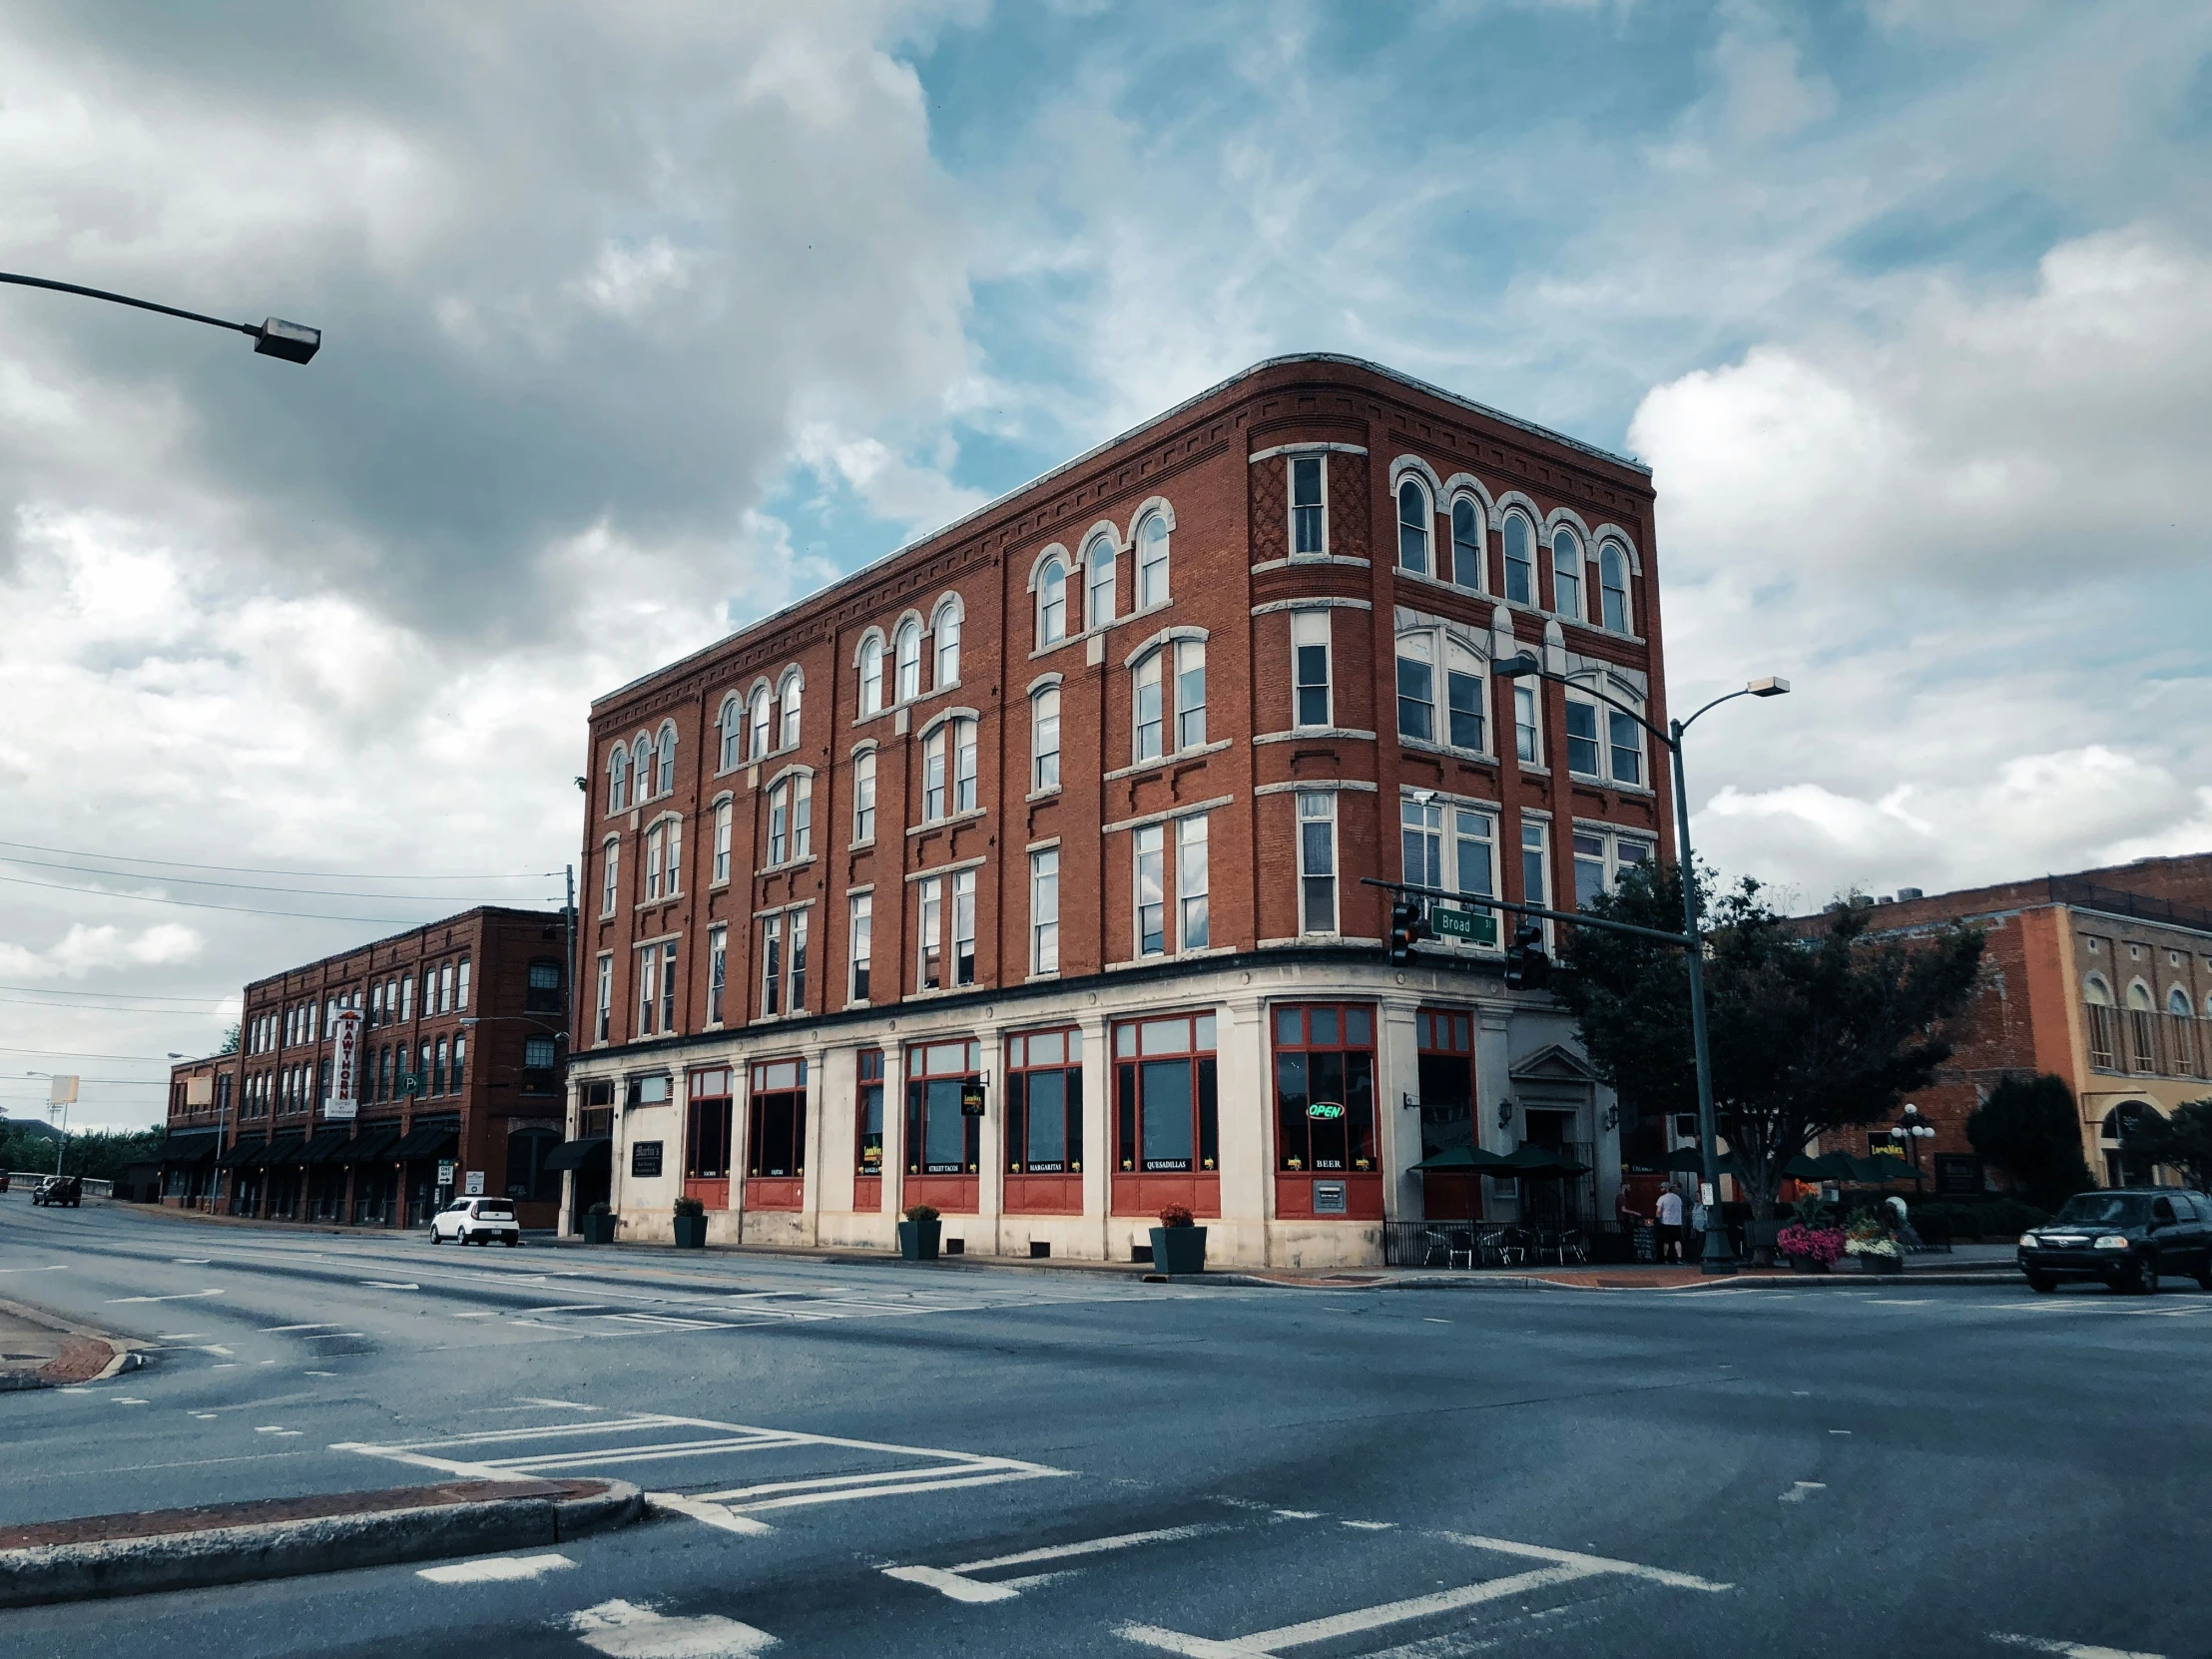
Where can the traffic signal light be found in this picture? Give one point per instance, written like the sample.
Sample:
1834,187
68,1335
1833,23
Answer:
1406,929
1527,968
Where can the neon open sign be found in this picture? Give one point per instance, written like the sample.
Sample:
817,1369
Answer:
1325,1111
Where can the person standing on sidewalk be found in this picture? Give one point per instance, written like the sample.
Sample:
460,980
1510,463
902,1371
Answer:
1670,1226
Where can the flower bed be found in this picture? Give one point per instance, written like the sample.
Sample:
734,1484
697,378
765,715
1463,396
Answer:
1811,1244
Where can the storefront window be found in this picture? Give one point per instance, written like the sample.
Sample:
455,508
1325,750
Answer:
1044,1103
940,1139
1325,1089
777,1126
706,1131
1166,1107
867,1112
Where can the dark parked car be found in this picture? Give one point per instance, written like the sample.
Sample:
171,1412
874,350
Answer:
60,1189
2128,1236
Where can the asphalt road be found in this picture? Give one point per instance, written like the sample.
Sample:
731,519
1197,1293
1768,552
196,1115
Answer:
881,1459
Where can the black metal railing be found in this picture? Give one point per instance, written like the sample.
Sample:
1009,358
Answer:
2071,889
1475,1245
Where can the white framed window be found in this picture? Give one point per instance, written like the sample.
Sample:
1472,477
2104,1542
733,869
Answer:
964,927
1152,562
649,980
964,758
668,986
1624,750
929,935
1567,574
445,987
641,768
656,847
1535,862
406,998
859,936
618,779
1414,519
725,818
1152,882
771,967
1612,577
1421,841
1044,911
1603,743
871,675
791,811
945,632
1527,732
796,1000
1147,714
908,665
1464,727
1450,846
1309,678
664,762
1585,756
1600,855
864,798
1520,561
802,816
717,969
1099,565
675,856
1468,563
1190,694
1457,719
933,774
1309,504
1417,687
756,726
730,723
1316,861
1052,605
790,699
1190,881
1044,740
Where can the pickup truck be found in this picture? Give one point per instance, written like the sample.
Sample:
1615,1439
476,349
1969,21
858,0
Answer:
60,1189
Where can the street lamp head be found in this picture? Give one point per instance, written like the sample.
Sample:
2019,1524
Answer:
1521,661
1771,686
295,343
471,1019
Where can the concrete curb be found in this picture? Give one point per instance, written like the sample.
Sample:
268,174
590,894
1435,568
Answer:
1733,1282
193,1557
121,1352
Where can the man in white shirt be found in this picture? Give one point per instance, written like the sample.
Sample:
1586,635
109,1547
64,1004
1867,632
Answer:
1670,1226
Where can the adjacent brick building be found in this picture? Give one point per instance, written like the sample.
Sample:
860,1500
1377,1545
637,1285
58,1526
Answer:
2103,979
1060,815
463,1041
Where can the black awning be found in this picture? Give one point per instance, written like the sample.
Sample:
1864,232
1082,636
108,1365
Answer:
428,1140
189,1149
326,1147
583,1154
282,1150
240,1155
370,1146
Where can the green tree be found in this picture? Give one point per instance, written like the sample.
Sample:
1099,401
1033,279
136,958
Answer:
1811,1028
229,1040
97,1155
2031,1128
2182,1142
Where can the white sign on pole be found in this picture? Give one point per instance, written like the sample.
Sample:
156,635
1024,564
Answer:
446,1172
61,1090
473,1185
345,1066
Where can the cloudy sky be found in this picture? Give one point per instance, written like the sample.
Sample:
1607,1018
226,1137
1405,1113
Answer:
644,320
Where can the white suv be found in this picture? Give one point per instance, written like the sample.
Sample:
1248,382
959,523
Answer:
476,1221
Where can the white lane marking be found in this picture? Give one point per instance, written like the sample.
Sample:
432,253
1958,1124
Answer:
1298,1514
180,1336
1370,1527
192,1260
495,1569
204,1417
1897,1301
228,1364
485,1316
1430,1319
1591,1563
126,1400
388,1284
1352,1623
952,1584
325,1325
624,1630
1802,1489
1802,1393
269,1429
319,1374
955,1582
2068,1650
711,1514
214,1348
664,1320
58,1267
180,1295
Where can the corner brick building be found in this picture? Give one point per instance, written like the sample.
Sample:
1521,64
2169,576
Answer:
1020,872
463,1036
2102,978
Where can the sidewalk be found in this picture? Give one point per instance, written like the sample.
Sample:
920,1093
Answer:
39,1350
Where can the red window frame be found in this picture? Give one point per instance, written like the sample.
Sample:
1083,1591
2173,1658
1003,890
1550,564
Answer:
708,1149
1144,1051
935,1072
868,1174
1324,1051
1053,1186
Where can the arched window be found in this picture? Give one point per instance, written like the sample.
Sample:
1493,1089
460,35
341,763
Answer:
1152,562
610,875
908,654
871,675
2177,1002
664,765
790,815
2096,992
732,722
1466,542
1052,605
1098,582
1413,527
1520,561
946,631
756,740
641,767
2139,996
618,779
787,701
1612,577
1567,574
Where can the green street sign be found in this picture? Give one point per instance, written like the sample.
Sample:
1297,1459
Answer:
1478,926
1325,1111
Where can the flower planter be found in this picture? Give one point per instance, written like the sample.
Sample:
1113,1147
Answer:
1881,1264
690,1232
1179,1249
917,1240
598,1229
1807,1263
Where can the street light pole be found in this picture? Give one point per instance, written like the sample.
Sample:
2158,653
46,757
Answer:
293,343
1719,1257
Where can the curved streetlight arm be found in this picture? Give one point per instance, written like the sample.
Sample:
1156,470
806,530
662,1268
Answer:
272,337
1727,697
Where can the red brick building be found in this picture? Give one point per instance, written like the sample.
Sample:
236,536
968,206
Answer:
463,1041
1065,809
2103,979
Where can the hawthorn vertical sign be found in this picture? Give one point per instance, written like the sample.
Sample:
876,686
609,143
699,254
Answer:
345,1066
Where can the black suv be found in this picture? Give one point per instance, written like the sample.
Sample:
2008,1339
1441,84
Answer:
2126,1237
60,1189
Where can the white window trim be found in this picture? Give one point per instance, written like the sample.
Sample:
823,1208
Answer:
1289,498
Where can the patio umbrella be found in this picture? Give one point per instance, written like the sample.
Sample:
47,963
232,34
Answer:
1465,1159
1880,1171
1532,1159
1829,1166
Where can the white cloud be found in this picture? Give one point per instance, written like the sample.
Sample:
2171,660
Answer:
83,950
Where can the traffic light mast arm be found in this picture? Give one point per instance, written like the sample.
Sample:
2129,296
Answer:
1574,919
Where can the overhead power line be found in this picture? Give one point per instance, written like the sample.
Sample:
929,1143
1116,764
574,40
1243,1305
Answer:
211,1012
81,1054
116,996
259,870
244,886
241,910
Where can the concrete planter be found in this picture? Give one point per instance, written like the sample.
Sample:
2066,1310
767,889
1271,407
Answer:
1881,1264
1807,1263
598,1229
1179,1249
690,1232
917,1240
